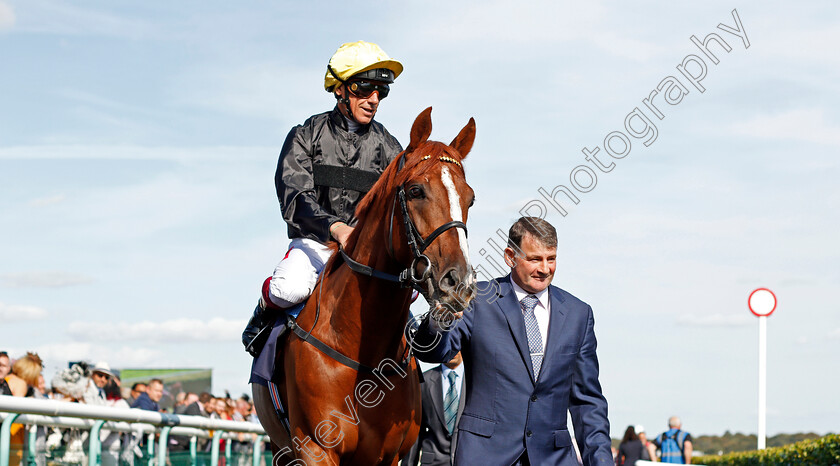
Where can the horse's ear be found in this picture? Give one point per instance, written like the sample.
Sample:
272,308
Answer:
463,142
420,130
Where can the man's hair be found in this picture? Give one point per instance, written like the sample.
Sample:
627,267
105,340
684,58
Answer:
205,397
137,384
541,230
156,381
674,422
28,368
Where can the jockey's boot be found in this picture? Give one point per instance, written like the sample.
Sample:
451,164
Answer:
256,332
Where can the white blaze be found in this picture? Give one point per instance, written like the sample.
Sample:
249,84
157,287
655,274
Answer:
455,212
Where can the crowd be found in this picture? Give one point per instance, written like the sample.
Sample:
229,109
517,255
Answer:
99,385
672,446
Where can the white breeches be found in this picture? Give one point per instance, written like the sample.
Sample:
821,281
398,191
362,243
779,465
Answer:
295,276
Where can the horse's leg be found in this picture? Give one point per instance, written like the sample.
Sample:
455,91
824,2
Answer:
271,423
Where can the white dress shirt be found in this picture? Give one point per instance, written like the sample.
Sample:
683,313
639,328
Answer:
444,382
541,312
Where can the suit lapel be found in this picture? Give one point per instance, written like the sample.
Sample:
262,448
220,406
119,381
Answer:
513,313
556,320
435,390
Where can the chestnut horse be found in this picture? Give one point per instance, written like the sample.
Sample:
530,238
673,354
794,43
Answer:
348,381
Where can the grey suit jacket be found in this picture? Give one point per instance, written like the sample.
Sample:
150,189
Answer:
434,445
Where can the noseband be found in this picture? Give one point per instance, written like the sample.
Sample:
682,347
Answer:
410,277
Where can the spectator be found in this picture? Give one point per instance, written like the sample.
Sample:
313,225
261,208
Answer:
183,401
630,449
675,444
180,397
23,377
441,407
112,442
41,388
190,399
196,408
136,390
649,450
224,409
22,381
100,377
5,364
5,368
148,400
243,445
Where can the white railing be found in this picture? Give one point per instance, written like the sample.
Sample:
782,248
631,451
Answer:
53,413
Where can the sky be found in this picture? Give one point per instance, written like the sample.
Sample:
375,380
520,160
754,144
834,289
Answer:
138,143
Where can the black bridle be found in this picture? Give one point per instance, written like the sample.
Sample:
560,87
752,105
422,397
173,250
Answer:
407,278
410,277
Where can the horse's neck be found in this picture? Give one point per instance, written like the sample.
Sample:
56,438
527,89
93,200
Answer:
366,315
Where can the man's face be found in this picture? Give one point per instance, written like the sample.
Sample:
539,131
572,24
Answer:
155,391
243,407
137,390
5,366
363,107
210,406
100,379
643,437
455,361
533,269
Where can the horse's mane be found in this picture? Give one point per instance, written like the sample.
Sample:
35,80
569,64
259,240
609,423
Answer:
376,202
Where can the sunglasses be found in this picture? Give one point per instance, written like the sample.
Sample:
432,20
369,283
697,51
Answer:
363,89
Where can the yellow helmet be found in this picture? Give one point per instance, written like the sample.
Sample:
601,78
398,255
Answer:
354,58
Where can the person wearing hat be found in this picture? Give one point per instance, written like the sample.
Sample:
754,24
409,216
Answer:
326,166
100,375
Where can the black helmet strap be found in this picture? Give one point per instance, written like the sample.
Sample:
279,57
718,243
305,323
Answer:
343,99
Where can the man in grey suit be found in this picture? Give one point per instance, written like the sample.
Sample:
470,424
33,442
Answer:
442,405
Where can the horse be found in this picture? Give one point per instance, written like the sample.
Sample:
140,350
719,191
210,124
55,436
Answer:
348,382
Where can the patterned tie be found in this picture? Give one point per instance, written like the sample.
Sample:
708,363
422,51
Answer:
450,403
535,346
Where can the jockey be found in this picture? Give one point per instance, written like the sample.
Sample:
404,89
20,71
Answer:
326,166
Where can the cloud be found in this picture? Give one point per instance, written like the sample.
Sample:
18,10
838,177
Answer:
46,201
13,313
66,18
170,331
7,16
714,320
806,125
134,152
56,355
834,335
43,280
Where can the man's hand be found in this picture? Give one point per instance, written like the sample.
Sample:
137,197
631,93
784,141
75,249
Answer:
442,319
340,232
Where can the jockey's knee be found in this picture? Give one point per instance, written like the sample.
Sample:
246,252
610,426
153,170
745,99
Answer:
287,292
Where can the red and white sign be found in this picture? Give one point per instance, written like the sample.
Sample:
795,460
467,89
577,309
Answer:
762,302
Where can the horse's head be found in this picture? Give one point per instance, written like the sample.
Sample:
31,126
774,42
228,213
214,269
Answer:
433,197
419,207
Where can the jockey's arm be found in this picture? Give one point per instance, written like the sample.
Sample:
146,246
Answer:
295,187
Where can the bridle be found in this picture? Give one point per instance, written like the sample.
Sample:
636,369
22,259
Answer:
409,277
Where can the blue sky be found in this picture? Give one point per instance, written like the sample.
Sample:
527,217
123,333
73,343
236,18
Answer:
138,143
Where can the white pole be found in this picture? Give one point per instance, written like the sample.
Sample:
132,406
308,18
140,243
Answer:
762,382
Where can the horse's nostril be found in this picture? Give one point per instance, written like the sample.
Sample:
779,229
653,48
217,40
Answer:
448,281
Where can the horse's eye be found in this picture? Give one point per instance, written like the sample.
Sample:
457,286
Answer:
472,201
416,192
